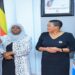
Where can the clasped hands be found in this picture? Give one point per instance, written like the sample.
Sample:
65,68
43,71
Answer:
8,55
53,49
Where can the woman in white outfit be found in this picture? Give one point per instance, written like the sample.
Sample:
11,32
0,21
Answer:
17,46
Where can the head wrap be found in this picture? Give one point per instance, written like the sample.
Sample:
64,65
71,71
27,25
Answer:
18,36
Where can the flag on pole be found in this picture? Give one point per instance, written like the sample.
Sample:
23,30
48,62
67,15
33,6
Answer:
3,25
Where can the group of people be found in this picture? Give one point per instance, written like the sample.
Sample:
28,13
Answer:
54,44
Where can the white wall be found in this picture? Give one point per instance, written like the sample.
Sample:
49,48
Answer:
10,12
37,31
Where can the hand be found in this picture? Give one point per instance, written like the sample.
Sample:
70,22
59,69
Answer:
7,54
53,49
57,49
9,58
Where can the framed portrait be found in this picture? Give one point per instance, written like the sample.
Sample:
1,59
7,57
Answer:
57,8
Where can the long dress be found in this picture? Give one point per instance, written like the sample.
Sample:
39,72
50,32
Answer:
19,65
56,63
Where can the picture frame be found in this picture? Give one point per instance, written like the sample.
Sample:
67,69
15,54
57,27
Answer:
54,8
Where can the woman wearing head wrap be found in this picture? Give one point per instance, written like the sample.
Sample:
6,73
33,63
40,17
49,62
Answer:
15,57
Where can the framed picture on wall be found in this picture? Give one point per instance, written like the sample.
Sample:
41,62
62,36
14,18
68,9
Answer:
57,8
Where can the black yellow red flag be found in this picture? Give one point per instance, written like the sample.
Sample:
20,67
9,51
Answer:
3,24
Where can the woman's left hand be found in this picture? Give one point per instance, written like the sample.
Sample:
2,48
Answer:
53,49
57,49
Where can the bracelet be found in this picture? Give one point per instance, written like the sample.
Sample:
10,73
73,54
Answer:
62,49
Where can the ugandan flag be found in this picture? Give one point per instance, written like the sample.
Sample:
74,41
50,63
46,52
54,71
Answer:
3,25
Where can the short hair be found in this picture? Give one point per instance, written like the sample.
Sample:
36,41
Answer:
57,23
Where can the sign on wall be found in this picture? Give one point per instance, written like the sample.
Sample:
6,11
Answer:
57,8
